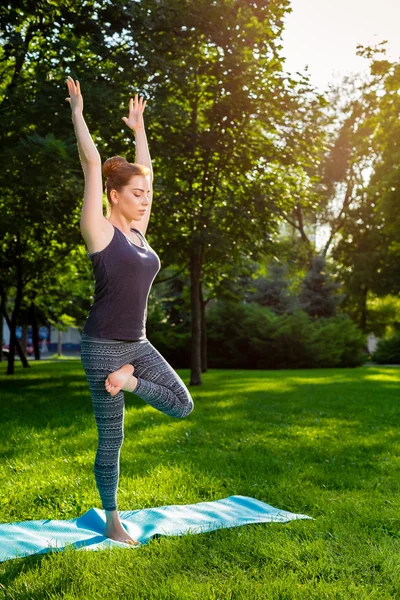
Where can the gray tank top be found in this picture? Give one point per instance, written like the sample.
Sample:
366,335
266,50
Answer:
124,273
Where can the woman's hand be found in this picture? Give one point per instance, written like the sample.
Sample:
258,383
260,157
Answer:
75,99
135,119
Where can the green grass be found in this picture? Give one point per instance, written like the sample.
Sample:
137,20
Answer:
324,443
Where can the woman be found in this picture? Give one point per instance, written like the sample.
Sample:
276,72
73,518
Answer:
114,343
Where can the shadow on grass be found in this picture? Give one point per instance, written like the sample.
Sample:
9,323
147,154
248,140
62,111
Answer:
289,438
355,399
329,428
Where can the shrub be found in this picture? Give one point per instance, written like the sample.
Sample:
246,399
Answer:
388,350
292,342
337,342
252,336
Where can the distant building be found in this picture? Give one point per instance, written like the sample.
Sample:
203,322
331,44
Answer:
49,338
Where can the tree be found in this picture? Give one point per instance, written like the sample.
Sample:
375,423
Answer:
317,296
368,250
273,291
220,110
237,119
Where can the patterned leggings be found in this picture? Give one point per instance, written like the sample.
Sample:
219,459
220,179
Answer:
158,385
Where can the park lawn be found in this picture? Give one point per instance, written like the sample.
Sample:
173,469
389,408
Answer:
319,442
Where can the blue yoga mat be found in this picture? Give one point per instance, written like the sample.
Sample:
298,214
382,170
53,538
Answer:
86,532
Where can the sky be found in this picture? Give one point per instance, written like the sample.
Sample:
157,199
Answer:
323,34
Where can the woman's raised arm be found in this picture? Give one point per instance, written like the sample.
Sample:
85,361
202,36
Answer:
87,150
92,210
136,123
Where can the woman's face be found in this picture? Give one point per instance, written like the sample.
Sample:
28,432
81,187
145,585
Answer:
134,198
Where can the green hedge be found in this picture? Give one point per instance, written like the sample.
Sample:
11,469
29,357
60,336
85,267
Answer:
252,336
388,350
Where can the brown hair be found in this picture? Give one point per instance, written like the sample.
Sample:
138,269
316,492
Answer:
118,172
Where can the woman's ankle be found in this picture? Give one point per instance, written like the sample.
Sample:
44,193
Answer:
112,516
131,384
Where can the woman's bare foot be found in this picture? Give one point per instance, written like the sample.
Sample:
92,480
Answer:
120,379
119,534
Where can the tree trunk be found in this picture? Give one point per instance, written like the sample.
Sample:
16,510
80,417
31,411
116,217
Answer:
19,349
203,332
35,331
13,338
195,284
364,311
1,335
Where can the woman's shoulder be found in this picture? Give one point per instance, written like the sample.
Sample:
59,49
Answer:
98,235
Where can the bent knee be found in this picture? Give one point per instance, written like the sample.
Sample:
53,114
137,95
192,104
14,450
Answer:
186,407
